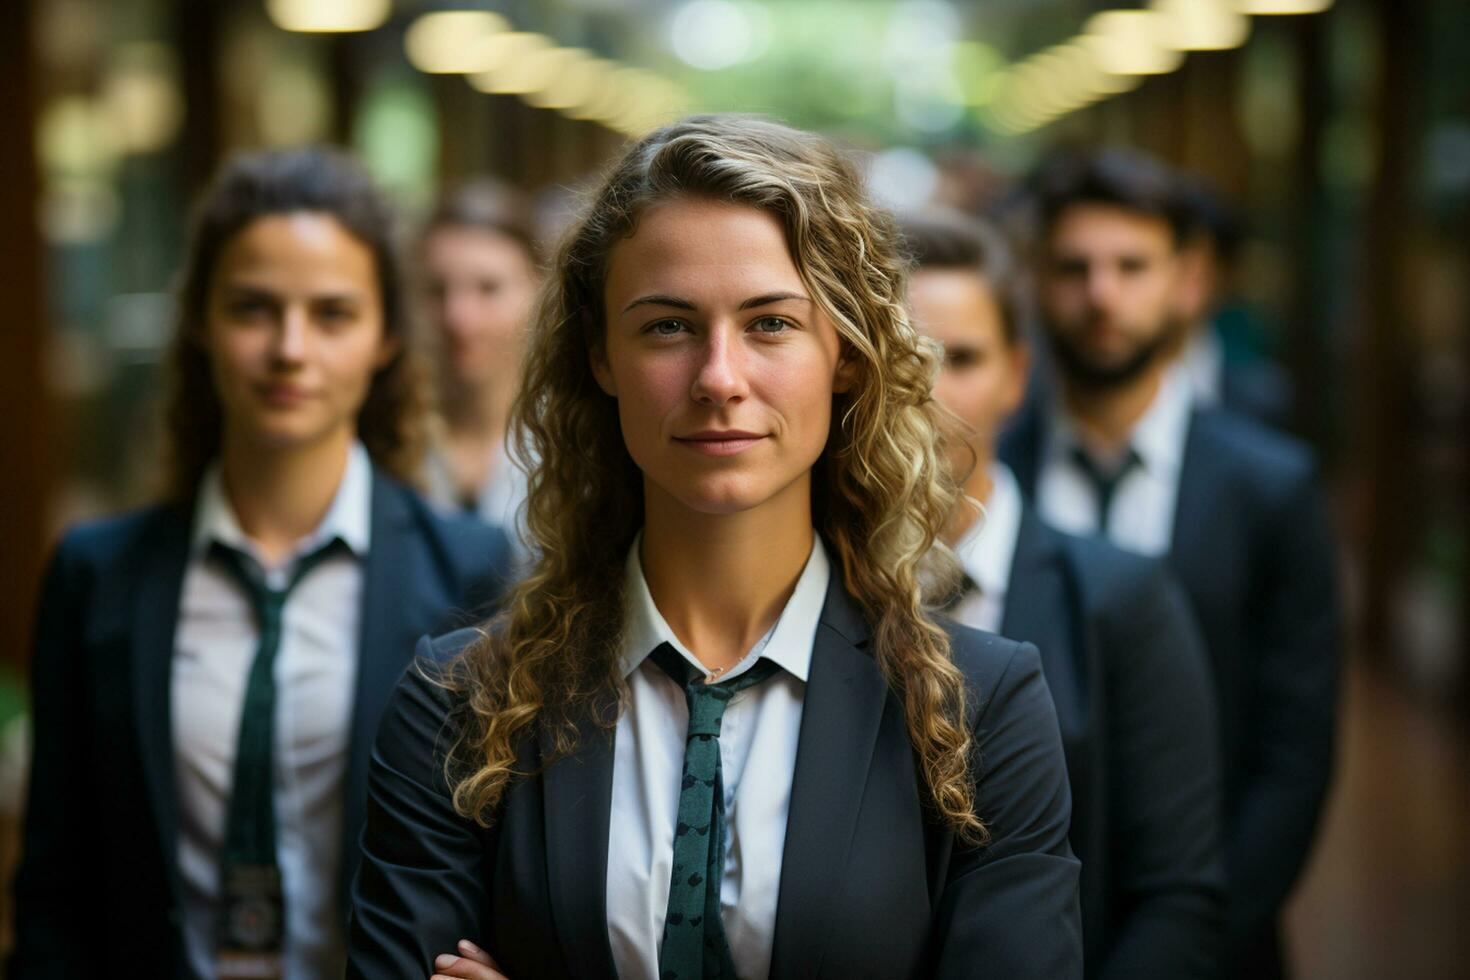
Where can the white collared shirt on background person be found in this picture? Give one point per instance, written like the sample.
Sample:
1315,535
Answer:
315,670
987,551
498,500
1203,362
1142,512
758,738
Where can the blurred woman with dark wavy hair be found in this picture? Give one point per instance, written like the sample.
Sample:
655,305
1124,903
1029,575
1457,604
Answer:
717,732
211,669
479,269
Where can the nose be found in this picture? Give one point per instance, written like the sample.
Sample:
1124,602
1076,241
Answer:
292,336
460,313
1101,285
720,378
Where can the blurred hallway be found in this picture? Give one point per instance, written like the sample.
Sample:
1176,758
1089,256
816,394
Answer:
1389,887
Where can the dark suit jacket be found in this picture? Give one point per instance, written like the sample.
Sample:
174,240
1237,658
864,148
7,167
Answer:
1128,672
870,885
1254,552
101,828
1259,389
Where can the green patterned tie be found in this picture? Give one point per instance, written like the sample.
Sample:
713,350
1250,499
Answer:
252,908
694,945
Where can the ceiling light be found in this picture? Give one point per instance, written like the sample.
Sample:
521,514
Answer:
1202,25
451,42
1131,42
1263,7
506,56
327,16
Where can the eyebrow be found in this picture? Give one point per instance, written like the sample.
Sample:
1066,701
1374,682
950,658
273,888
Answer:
765,299
347,294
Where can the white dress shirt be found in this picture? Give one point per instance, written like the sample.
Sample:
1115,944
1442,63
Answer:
987,551
315,670
1203,363
1142,513
498,501
757,757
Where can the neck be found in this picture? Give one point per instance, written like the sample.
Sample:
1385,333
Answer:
721,580
1106,416
477,412
281,495
977,487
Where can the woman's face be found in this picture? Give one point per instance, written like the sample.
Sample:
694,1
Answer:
479,287
722,364
294,330
984,374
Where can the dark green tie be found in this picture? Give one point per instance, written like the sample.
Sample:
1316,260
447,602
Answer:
1104,481
694,944
252,909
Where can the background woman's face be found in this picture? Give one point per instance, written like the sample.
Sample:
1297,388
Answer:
294,329
984,375
722,364
479,288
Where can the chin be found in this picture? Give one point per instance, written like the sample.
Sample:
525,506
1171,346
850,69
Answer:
724,495
285,434
470,372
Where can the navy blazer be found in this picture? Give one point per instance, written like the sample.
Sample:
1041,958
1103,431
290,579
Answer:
870,885
98,880
1253,549
1128,671
1261,390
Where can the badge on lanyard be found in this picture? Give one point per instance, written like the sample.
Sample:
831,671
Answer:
252,924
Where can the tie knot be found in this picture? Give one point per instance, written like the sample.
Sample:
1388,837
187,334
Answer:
1106,475
707,702
248,573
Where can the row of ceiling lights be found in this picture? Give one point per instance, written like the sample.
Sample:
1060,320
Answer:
495,59
1117,49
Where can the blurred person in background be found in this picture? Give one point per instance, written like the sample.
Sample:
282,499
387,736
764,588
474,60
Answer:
717,733
1121,652
1219,351
479,273
1122,450
209,671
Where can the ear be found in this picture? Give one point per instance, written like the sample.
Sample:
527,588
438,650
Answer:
1020,369
847,372
601,371
388,349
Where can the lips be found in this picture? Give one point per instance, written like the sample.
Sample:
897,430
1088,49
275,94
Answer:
720,442
283,395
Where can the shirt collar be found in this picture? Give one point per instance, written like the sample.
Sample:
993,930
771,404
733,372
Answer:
1202,362
349,517
788,644
1157,437
988,548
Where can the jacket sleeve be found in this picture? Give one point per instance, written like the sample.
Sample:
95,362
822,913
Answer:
1010,906
1293,705
53,859
421,886
1164,809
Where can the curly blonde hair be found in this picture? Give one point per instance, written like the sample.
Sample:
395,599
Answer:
881,493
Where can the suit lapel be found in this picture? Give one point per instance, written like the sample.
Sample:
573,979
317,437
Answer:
1194,509
386,635
845,698
578,806
164,554
1037,610
1020,448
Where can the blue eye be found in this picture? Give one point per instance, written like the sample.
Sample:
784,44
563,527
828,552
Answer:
771,324
665,328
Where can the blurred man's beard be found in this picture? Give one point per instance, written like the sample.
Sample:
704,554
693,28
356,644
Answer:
1084,370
